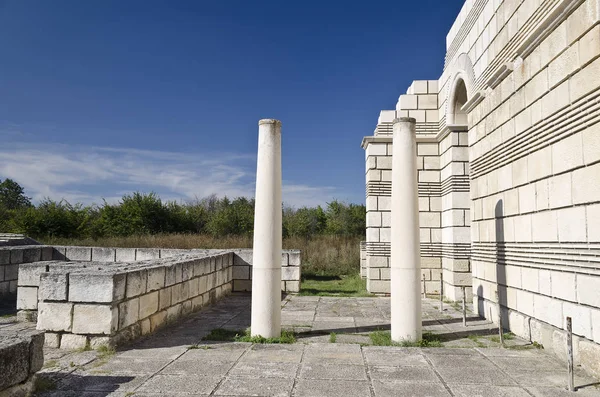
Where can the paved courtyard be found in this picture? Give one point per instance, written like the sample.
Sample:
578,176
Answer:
176,362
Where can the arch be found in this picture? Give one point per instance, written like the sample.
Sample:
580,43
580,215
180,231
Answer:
460,90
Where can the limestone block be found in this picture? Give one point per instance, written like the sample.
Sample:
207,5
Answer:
125,255
371,163
525,302
548,310
295,258
374,175
588,288
47,253
589,46
4,257
242,285
55,316
527,198
79,254
513,276
73,341
419,87
292,286
591,149
385,273
584,188
378,287
241,272
429,176
427,149
385,234
376,149
129,312
384,162
596,320
203,284
187,307
563,286
581,19
373,234
567,153
588,356
95,319
428,102
187,270
173,275
144,254
96,287
157,320
16,256
11,272
15,365
572,224
564,65
32,255
290,274
544,226
59,253
584,81
545,282
418,115
136,283
542,194
53,287
174,312
582,319
539,164
101,254
156,278
430,219
511,202
27,298
407,102
164,298
52,339
148,304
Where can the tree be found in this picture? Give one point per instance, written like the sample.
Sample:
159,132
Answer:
12,196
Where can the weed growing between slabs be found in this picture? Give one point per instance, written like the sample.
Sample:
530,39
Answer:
225,335
384,338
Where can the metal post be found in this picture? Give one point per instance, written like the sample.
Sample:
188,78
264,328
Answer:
464,306
570,353
500,328
441,292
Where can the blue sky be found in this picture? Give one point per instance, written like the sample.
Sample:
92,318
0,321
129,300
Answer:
102,98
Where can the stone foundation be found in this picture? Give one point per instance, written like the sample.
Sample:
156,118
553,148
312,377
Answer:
21,356
94,296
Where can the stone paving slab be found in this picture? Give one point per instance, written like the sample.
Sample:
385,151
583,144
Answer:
176,362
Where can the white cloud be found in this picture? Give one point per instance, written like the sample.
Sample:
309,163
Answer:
88,174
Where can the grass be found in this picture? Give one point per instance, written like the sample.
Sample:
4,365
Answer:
321,255
384,338
224,335
341,286
332,337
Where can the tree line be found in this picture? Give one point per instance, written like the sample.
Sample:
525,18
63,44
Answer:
145,213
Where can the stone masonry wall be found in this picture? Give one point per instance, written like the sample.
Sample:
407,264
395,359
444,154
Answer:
11,258
21,356
92,303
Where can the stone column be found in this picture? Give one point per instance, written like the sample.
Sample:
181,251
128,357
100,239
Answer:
266,262
405,256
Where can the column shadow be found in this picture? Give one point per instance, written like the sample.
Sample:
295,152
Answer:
501,263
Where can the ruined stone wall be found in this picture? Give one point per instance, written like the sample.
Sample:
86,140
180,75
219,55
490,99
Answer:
11,258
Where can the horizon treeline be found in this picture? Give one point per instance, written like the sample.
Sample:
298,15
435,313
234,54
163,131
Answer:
146,214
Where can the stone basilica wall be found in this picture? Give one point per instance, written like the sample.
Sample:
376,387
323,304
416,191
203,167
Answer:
517,173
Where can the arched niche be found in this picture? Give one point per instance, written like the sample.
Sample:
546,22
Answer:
460,91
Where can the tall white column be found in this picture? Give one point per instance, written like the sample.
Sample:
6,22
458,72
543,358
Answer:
405,257
266,261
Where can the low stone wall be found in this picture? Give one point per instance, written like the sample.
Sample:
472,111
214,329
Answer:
11,258
81,304
21,356
290,270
